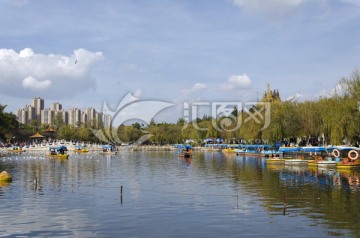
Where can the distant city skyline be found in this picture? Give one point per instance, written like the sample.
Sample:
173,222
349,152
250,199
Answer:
72,116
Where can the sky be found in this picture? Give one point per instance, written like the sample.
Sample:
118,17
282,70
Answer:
90,52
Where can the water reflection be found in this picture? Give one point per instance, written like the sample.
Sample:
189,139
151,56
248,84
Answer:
302,175
186,161
324,194
227,194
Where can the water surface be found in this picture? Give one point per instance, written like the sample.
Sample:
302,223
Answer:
210,195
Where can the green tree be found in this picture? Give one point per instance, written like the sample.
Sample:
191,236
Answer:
66,132
58,120
8,124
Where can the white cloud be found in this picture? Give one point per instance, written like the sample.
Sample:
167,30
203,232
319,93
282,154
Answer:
54,76
339,89
198,87
236,82
273,8
26,53
294,98
32,83
195,88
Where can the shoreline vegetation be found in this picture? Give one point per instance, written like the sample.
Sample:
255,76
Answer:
329,120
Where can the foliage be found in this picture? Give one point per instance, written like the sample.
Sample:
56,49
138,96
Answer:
8,125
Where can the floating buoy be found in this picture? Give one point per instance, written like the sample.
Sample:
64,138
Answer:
336,153
353,154
5,176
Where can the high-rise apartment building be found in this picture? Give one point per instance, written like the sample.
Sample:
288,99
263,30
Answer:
64,116
22,115
56,106
100,119
47,116
31,113
26,115
51,116
91,116
107,121
74,117
84,118
38,104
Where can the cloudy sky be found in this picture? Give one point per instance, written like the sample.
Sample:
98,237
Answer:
84,53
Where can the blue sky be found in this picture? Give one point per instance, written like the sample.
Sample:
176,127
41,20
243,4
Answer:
83,53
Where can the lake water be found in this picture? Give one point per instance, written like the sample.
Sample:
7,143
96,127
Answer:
211,195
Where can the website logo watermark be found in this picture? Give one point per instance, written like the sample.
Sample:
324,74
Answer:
224,116
228,116
130,108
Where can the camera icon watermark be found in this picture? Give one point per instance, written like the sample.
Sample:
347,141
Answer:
228,116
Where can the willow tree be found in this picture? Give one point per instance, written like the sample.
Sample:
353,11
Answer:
189,132
285,121
350,90
250,129
276,130
83,133
329,126
351,86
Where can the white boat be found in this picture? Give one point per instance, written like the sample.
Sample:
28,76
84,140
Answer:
108,150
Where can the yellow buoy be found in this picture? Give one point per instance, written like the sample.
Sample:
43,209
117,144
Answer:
5,176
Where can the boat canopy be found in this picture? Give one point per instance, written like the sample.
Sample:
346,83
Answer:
342,148
277,145
256,146
290,149
179,146
313,149
62,147
108,146
232,146
216,145
211,140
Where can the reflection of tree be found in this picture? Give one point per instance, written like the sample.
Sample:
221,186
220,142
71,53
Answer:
311,193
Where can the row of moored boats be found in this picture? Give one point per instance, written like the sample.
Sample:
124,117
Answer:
330,156
62,151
